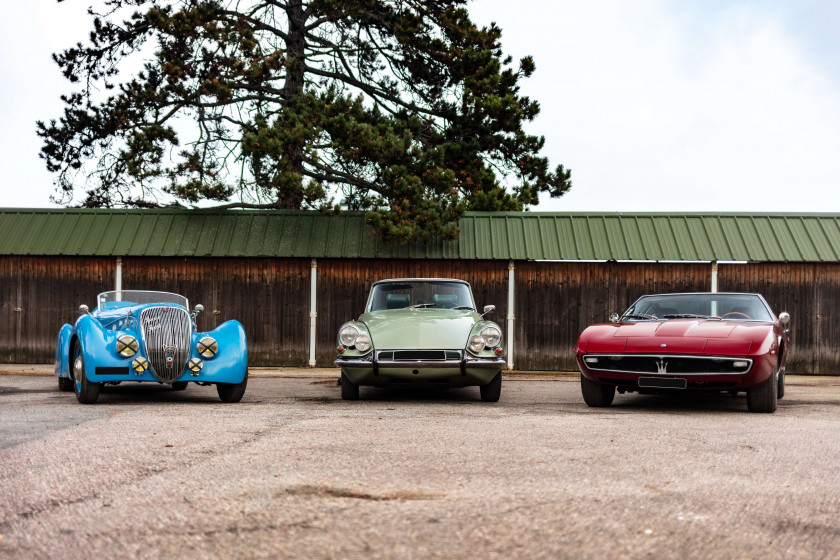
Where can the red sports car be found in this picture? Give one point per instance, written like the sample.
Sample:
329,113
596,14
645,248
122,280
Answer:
696,341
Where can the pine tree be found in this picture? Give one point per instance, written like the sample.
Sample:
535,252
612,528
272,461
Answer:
401,108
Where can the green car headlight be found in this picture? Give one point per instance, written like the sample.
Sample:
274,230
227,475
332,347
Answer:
348,334
127,346
492,336
477,343
363,343
207,347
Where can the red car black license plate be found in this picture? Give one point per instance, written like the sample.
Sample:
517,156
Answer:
662,382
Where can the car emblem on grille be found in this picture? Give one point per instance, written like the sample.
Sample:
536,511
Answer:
661,366
170,359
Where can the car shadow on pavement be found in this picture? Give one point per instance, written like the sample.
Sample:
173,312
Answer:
147,393
682,402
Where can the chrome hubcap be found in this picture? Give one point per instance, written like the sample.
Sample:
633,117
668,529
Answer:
77,368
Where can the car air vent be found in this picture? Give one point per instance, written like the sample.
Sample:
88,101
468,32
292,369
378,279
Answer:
664,364
418,355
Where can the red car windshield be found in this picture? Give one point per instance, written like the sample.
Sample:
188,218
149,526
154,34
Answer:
736,307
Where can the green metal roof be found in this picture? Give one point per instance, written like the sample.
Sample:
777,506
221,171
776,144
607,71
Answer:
484,235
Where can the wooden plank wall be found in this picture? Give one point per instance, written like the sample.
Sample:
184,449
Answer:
270,297
555,301
38,295
810,292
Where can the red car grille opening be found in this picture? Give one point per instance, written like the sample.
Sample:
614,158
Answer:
664,364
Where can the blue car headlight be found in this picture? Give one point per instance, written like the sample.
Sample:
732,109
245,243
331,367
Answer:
207,347
127,346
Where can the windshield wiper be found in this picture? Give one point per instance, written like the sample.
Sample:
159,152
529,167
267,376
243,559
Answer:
639,316
417,305
465,307
685,316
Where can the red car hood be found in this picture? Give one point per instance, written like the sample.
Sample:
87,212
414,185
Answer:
677,336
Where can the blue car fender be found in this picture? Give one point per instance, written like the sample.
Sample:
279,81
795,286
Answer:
62,351
94,341
230,365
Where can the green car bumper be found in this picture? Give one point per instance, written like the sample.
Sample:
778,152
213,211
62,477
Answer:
388,367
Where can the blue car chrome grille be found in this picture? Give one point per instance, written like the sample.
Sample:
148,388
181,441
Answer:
166,334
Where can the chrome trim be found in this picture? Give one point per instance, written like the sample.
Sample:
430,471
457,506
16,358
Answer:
488,363
167,333
661,358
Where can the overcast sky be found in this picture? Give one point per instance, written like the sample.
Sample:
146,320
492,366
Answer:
703,105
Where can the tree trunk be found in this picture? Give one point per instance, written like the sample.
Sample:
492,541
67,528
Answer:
292,199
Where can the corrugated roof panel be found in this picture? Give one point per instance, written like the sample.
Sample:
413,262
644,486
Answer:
256,235
682,238
34,239
632,236
319,235
566,238
797,234
516,235
77,240
718,248
831,229
484,235
583,239
177,227
599,240
128,232
778,238
615,238
483,242
752,239
734,239
700,237
650,239
548,237
530,236
664,233
159,237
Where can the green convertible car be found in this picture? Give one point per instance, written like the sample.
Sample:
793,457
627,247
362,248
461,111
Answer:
421,331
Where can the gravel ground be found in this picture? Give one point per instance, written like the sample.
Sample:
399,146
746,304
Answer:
293,471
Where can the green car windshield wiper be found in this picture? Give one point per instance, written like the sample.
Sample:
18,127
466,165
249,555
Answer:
417,305
465,307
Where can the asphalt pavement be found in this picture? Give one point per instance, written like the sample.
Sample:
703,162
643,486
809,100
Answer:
293,471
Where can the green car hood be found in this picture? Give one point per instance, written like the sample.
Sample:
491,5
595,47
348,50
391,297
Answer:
445,329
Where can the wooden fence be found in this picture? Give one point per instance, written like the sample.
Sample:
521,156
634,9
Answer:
554,300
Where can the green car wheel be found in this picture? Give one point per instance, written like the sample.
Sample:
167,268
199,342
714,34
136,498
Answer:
493,390
349,390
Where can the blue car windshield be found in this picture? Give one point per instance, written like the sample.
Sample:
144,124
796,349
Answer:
736,307
127,298
420,294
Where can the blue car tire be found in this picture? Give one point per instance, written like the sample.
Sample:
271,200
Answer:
65,384
232,392
87,392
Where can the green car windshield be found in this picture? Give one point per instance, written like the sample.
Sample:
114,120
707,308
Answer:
420,294
737,307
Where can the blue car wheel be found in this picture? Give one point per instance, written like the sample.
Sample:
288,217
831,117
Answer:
87,392
232,392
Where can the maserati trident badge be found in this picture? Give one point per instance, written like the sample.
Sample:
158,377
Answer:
661,366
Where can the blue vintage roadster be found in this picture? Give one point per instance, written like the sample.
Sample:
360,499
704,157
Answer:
135,335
